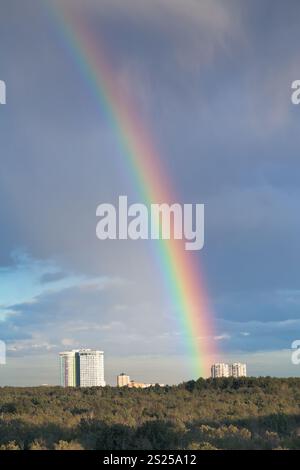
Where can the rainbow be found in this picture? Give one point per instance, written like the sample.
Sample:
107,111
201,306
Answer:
179,267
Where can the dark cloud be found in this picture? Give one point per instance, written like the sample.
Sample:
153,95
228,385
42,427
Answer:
211,80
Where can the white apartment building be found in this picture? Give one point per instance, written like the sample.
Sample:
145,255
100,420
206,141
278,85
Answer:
67,369
237,369
91,368
123,380
219,370
82,368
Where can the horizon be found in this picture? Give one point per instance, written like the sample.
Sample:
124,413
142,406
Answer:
143,370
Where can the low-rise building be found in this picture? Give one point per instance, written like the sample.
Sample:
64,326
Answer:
123,380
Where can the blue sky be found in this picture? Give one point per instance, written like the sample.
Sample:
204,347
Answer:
212,83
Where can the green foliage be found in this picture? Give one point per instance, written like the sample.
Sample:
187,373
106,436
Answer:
246,413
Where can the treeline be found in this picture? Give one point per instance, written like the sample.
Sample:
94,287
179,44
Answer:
246,413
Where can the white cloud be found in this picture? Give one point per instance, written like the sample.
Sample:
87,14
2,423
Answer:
222,337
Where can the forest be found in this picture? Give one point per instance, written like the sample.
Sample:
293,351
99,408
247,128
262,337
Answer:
245,413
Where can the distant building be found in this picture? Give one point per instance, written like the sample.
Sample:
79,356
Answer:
154,385
91,368
237,369
82,368
219,370
123,380
67,369
134,384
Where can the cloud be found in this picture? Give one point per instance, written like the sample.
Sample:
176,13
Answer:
212,85
222,337
262,363
260,335
52,277
87,312
67,342
24,346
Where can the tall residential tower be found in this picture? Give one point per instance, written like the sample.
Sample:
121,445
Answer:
82,368
237,369
67,369
219,370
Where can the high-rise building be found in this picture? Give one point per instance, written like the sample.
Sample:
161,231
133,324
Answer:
123,380
219,370
82,368
67,369
91,368
237,369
